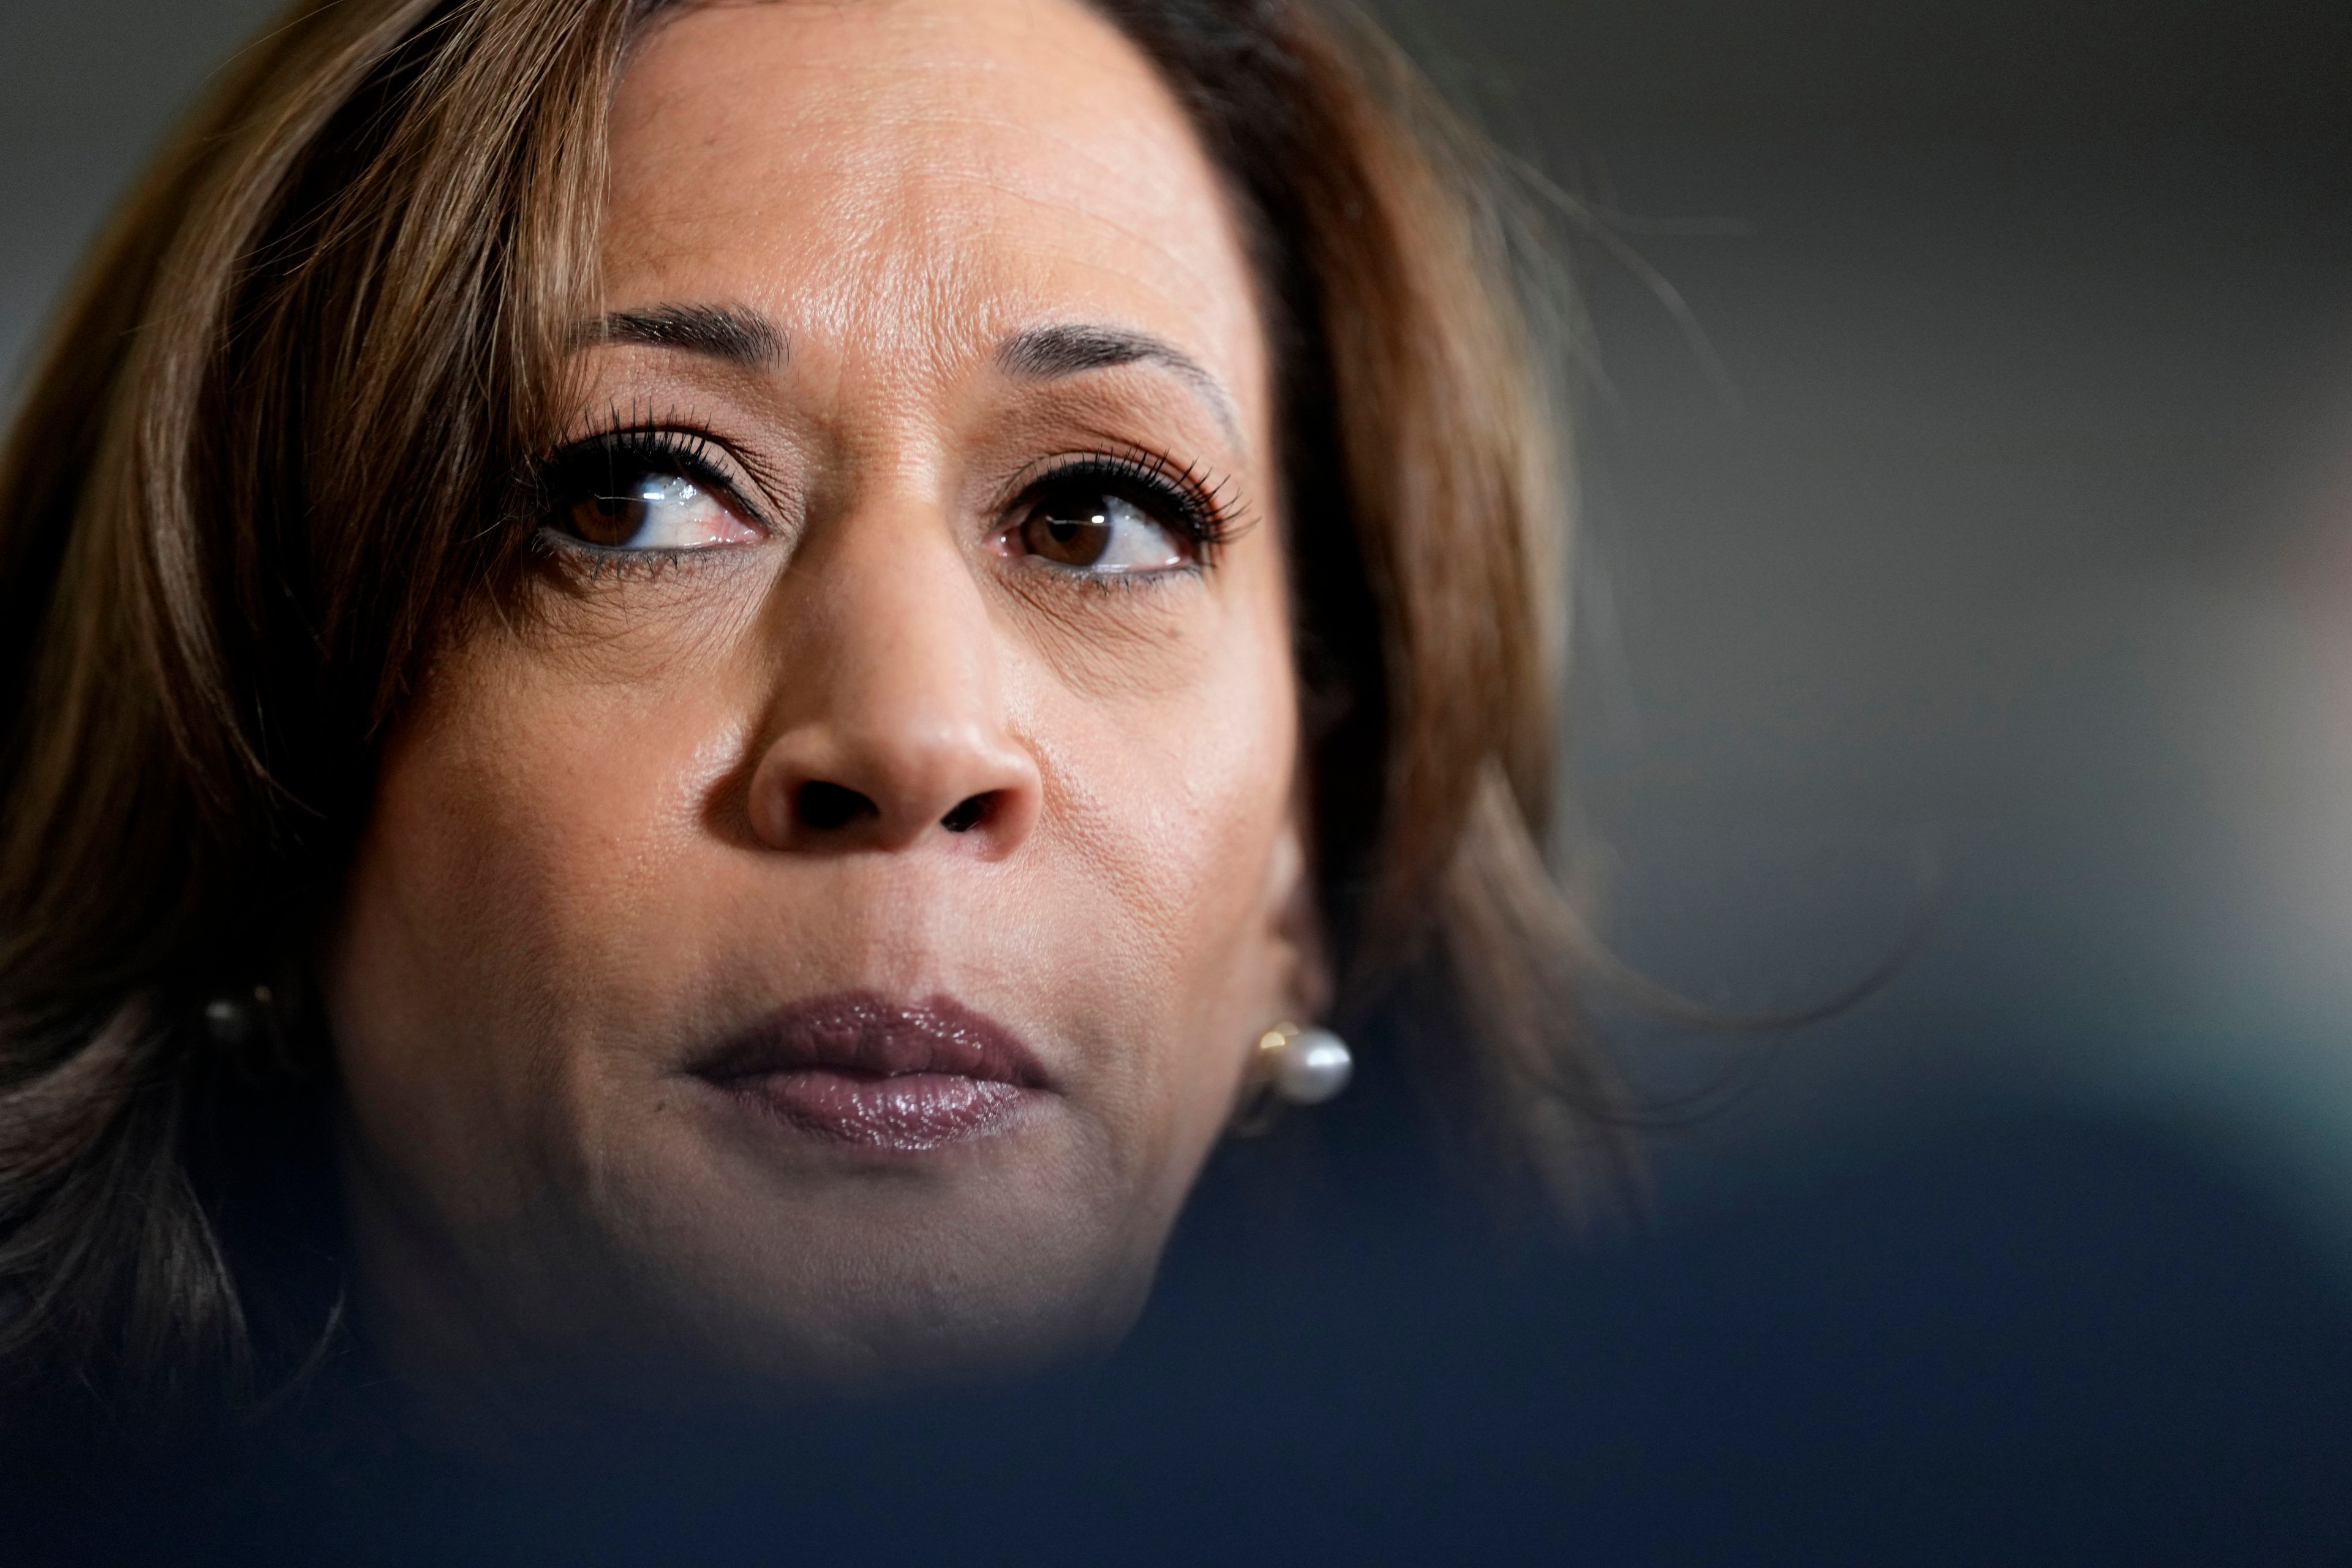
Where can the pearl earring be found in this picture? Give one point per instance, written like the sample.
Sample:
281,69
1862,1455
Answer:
1304,1066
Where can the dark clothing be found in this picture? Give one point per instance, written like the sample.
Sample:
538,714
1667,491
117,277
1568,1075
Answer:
2016,1341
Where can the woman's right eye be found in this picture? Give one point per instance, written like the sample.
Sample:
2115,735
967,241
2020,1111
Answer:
640,504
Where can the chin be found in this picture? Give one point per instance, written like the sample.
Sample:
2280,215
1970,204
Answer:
887,1268
909,1318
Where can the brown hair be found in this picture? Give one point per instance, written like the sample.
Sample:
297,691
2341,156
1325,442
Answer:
268,462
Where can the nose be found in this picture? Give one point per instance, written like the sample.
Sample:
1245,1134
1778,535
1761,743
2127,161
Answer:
887,729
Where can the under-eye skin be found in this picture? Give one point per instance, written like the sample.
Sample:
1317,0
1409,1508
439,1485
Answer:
1118,516
647,492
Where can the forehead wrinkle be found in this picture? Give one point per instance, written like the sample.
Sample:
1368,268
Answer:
943,273
883,139
1128,216
884,168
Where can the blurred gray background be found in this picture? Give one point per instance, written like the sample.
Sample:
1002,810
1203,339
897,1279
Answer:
1967,534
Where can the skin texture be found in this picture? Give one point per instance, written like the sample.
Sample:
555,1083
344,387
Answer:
587,859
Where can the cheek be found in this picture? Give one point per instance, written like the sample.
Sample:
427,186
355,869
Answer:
503,924
1172,804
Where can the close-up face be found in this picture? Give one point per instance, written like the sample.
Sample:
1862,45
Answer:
819,931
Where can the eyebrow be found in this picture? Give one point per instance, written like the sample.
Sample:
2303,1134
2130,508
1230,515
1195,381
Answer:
735,333
1044,353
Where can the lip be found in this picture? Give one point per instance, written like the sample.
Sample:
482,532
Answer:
858,1068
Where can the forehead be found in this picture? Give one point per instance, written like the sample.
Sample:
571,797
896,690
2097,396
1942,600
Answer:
926,174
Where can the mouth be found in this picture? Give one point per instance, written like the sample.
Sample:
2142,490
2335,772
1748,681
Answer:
858,1069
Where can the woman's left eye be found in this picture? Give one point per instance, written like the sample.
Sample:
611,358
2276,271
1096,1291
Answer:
1084,527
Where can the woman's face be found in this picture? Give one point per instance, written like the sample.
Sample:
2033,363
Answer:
821,936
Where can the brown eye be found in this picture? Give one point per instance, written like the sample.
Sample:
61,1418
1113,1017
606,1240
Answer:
1084,527
1071,529
650,509
610,521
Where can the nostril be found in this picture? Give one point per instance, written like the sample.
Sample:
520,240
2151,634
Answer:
825,806
967,812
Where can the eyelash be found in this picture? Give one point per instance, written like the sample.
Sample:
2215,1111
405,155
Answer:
1201,508
665,445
